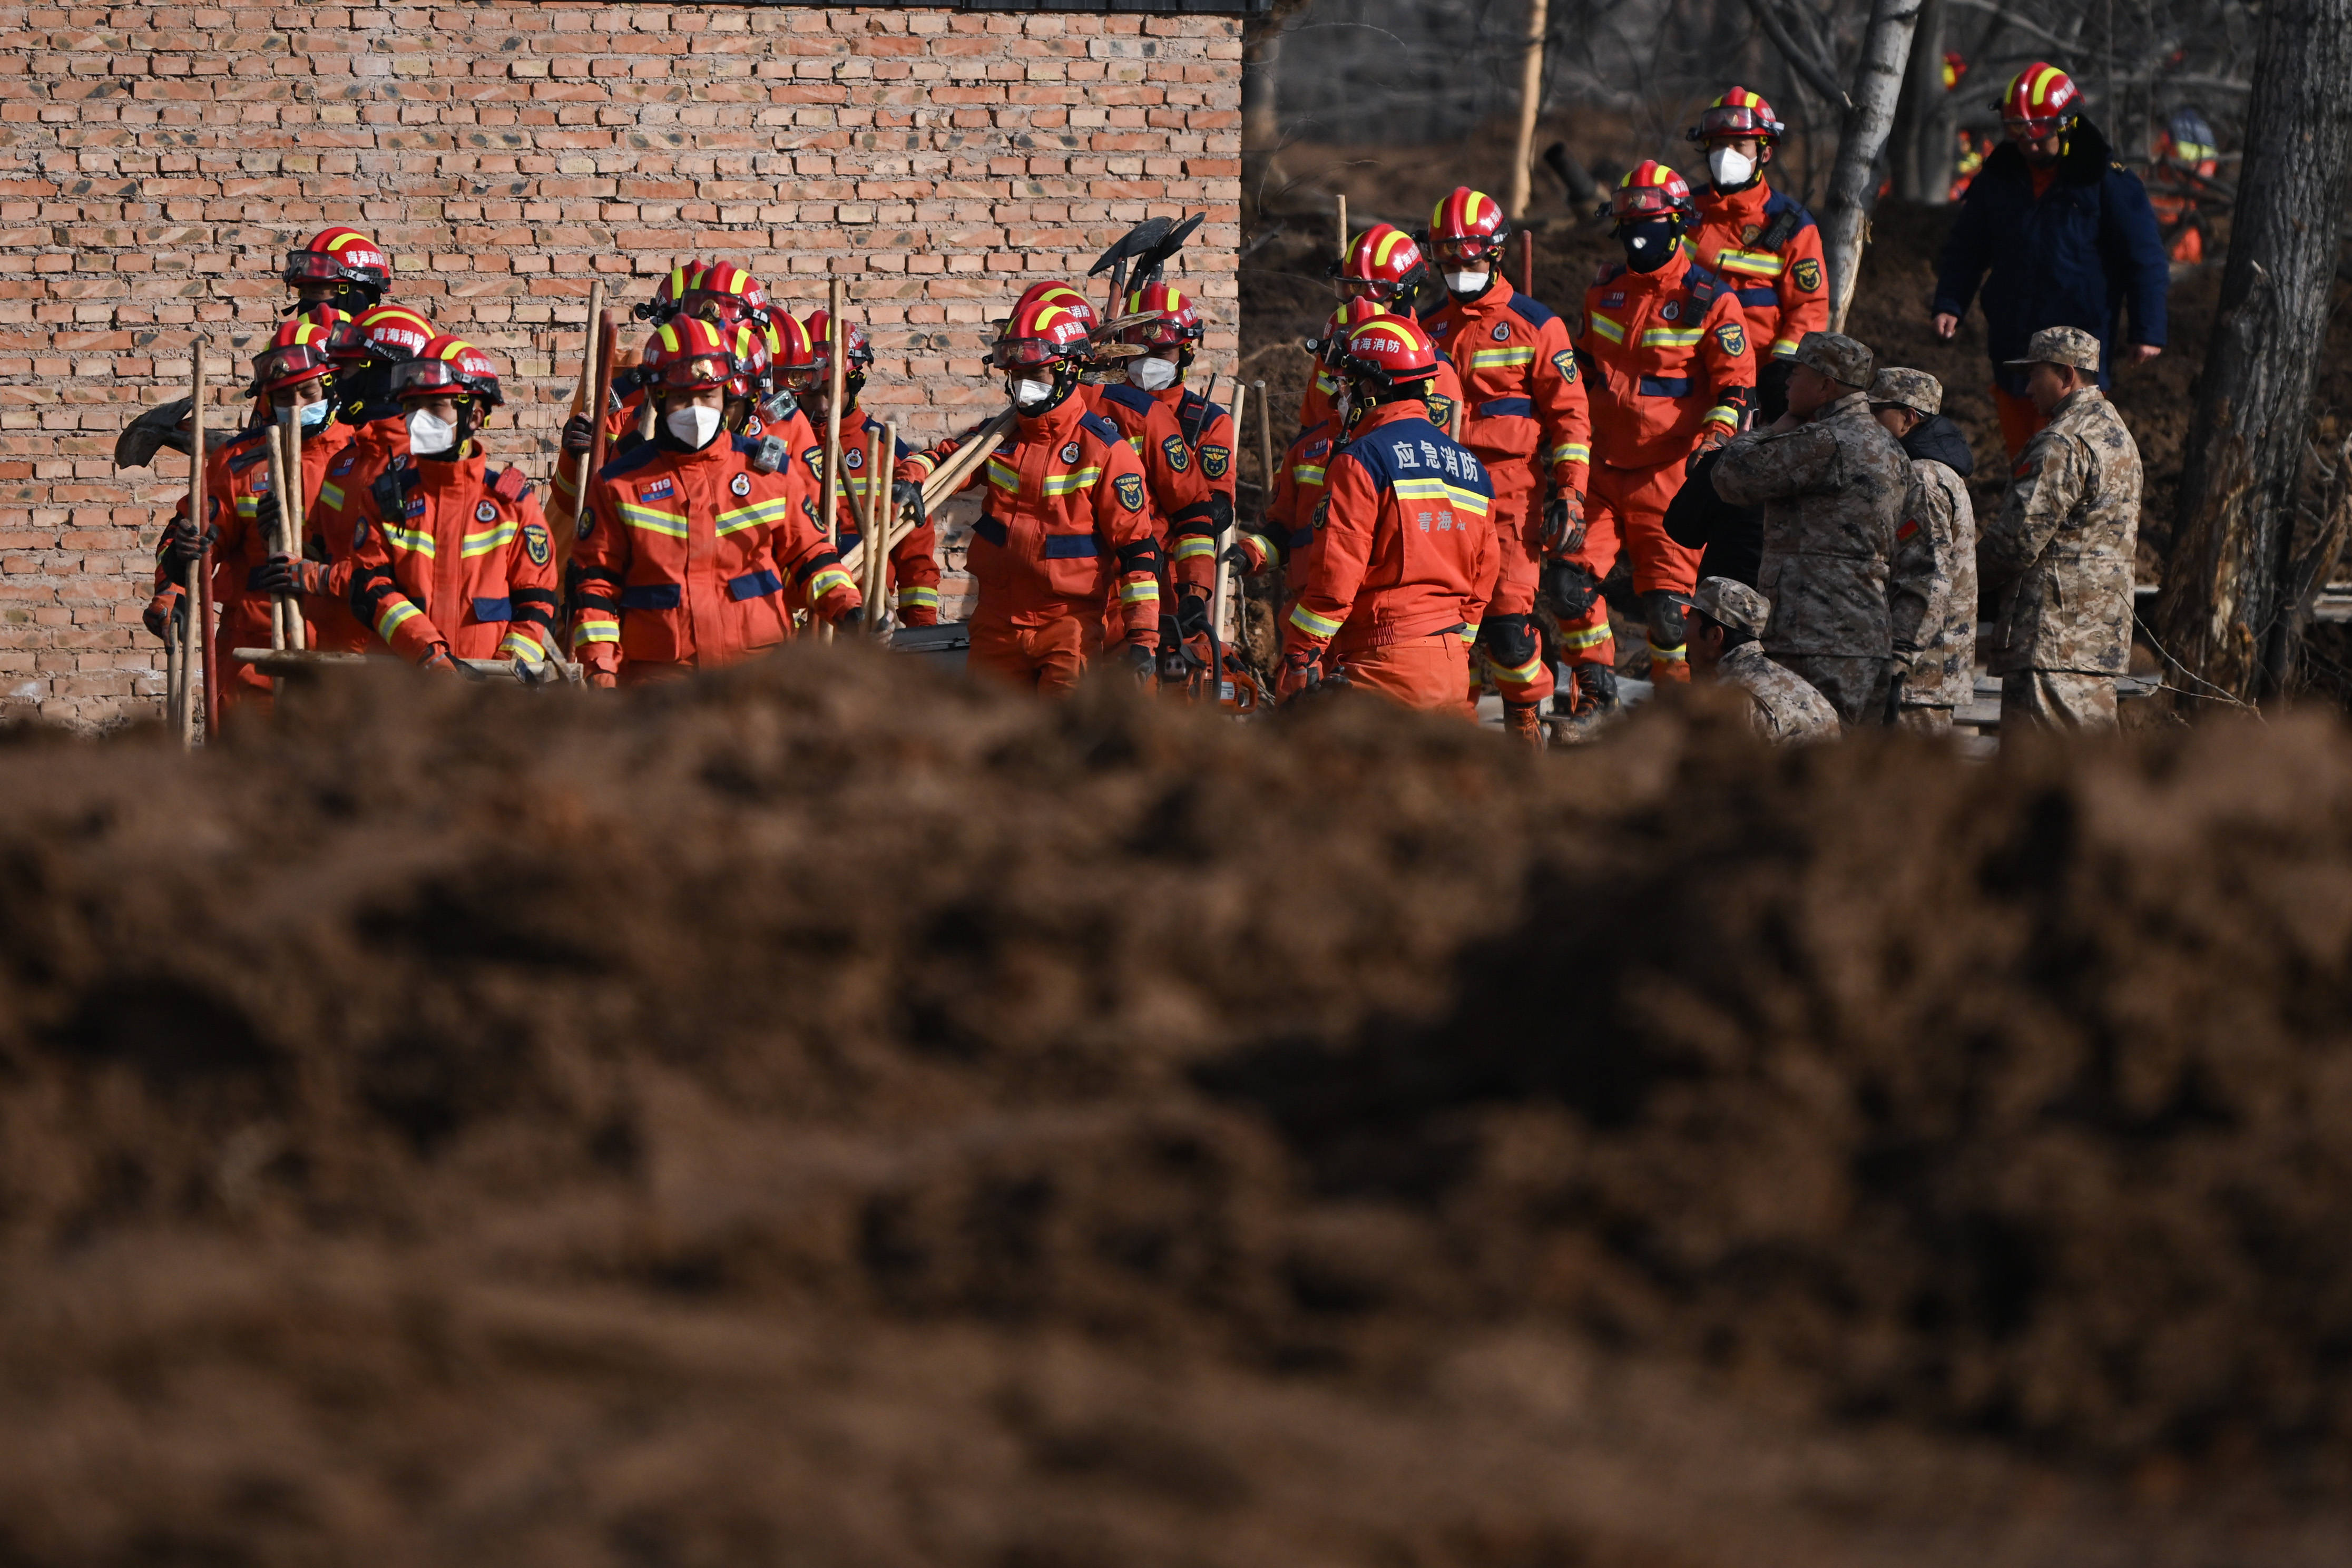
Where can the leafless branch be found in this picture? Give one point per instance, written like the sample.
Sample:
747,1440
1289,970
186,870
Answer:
1819,75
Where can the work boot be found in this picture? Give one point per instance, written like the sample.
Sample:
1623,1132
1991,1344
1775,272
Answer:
1524,722
1595,701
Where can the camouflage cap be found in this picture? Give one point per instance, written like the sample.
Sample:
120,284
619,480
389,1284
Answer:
2062,345
1914,389
1839,357
1732,603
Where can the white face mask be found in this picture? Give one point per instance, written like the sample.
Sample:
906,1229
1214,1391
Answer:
1151,374
1729,166
1466,282
693,425
311,415
430,433
1027,393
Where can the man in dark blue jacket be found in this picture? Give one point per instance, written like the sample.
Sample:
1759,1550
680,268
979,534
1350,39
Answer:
2068,237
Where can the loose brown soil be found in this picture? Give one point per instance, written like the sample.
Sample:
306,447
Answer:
823,1114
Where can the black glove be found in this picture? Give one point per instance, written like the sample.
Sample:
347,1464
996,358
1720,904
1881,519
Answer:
906,495
579,435
182,548
287,575
1141,663
1563,525
160,611
852,619
265,514
1192,614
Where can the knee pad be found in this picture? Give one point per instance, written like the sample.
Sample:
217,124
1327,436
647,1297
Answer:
1510,640
1664,610
1571,588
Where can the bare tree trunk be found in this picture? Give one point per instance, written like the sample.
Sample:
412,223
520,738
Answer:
1853,188
1522,184
1261,126
2229,611
1922,144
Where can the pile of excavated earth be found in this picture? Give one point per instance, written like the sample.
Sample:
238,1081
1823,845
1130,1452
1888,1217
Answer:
827,1114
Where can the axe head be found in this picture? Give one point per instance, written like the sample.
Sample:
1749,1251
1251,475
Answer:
162,426
1154,259
1136,242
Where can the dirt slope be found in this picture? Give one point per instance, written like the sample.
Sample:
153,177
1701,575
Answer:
820,1116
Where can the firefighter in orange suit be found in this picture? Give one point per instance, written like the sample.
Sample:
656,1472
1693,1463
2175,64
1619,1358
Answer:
1067,522
1289,522
1405,551
1759,241
689,540
1524,414
914,562
449,562
1666,352
295,371
1383,267
1181,437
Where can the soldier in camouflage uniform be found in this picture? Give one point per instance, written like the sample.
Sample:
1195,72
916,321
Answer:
1935,640
2060,554
1831,483
1726,619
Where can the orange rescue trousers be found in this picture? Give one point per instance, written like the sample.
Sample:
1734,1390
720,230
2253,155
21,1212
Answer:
1625,509
1048,658
1429,672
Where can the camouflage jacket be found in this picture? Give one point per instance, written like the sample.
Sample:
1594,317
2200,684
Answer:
1787,708
2061,551
1833,492
1939,515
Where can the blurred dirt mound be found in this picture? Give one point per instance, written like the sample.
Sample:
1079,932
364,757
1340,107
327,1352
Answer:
821,1115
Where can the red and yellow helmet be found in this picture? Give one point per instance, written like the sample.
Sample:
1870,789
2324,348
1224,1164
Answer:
820,334
1174,320
687,353
747,345
340,256
301,348
1737,113
1040,333
1332,345
1652,190
669,294
2040,102
725,294
1467,225
1383,263
1956,66
1391,350
448,367
390,333
1054,291
344,344
796,367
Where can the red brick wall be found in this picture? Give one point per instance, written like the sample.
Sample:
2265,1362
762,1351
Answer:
157,161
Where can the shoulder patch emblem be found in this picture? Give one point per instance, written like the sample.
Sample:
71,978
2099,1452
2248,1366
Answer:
853,459
486,511
359,532
740,484
1748,231
1564,362
1502,331
1733,337
1129,489
587,521
1672,309
1214,461
1322,510
1807,275
814,458
536,544
1441,409
1070,452
1172,447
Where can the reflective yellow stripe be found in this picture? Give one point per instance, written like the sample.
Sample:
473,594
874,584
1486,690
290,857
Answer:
1678,654
1480,359
827,580
652,520
926,460
1136,592
1519,674
1003,475
1723,415
1754,263
1306,476
1784,348
1606,328
1671,337
1470,501
1313,624
912,598
595,626
1072,482
521,643
1583,637
1192,546
398,612
1264,545
417,542
481,542
1571,452
737,518
247,505
1470,632
332,494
